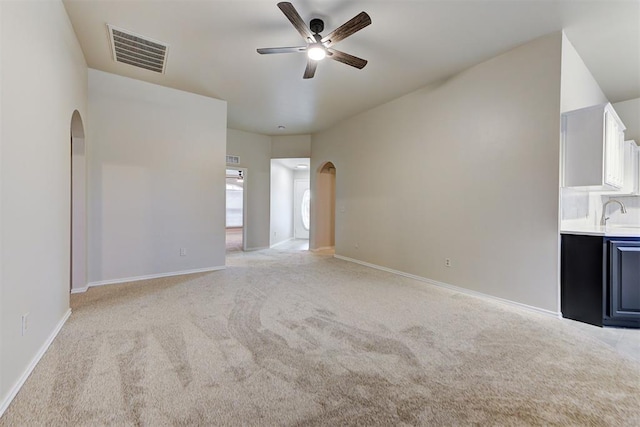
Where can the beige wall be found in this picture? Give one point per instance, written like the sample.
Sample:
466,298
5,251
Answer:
290,146
156,180
256,152
475,168
323,207
255,155
44,79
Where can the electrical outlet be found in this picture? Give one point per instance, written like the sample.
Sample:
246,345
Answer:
25,323
183,251
447,262
357,246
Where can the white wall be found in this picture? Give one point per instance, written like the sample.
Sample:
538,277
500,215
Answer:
290,146
156,179
255,155
281,203
78,204
5,397
475,163
301,174
578,87
299,232
44,79
629,112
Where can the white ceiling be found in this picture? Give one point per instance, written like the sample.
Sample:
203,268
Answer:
295,163
410,44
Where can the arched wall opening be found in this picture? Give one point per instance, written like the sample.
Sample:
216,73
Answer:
78,267
324,207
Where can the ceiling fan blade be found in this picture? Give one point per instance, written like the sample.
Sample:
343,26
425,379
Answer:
294,17
310,71
269,50
355,24
345,58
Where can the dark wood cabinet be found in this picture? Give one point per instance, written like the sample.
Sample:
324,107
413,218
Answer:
581,274
600,280
624,279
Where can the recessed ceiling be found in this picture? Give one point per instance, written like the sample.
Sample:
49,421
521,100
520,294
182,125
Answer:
410,44
294,163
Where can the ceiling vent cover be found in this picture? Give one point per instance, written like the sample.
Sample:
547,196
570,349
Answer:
139,51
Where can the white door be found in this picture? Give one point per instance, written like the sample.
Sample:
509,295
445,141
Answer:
301,198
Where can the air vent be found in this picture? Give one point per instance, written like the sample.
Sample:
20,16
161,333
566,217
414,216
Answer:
139,51
233,160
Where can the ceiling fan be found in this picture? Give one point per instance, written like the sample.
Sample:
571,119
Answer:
319,47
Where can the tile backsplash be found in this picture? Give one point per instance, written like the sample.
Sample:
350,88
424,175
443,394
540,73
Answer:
632,217
575,204
584,209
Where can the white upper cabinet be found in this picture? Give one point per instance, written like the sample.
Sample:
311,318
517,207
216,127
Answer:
631,182
631,169
593,148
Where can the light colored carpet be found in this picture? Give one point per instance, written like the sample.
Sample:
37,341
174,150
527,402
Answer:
294,338
233,239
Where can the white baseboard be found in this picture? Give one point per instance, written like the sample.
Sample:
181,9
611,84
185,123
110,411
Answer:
452,287
80,290
147,277
18,385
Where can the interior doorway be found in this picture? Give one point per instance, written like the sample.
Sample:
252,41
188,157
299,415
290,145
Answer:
235,229
289,203
324,208
301,200
78,208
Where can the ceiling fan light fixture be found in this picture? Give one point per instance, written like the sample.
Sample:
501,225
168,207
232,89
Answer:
317,47
316,51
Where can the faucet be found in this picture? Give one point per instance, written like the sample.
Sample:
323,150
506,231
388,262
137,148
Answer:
603,218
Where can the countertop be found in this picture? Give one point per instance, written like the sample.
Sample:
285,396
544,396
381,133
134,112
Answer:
608,231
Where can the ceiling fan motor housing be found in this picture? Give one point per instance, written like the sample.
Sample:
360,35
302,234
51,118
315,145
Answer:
316,25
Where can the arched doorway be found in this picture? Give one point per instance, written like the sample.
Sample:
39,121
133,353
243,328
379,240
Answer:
78,267
324,208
